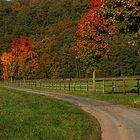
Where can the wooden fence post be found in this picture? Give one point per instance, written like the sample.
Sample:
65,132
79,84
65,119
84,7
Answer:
56,85
87,86
138,87
103,86
64,85
113,87
124,87
69,85
74,85
80,85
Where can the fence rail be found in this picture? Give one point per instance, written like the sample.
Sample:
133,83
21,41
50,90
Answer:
103,85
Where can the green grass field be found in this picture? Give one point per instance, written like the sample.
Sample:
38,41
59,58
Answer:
25,116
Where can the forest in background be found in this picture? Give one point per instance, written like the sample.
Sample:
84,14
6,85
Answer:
51,25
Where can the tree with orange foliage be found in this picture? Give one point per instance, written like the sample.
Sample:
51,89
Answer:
95,30
7,61
22,58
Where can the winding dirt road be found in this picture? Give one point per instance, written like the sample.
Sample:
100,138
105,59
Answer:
117,122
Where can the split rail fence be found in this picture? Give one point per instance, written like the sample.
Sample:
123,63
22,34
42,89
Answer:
103,85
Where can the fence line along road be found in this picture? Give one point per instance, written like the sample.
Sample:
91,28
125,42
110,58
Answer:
103,85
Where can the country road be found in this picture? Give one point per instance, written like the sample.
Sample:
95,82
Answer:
117,122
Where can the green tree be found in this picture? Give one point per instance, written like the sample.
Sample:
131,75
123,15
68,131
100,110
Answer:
122,59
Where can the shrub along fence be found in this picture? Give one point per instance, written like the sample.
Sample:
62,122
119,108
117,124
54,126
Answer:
103,85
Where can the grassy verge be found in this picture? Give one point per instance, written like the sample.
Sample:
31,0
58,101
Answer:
36,117
130,99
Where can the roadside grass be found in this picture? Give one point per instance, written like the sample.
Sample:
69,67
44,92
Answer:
26,116
130,99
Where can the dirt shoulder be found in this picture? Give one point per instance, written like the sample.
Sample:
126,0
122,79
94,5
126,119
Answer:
117,122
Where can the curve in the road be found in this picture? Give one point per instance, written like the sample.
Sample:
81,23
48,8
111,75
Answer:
117,122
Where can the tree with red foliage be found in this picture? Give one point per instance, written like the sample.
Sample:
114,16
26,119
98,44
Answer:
22,58
95,30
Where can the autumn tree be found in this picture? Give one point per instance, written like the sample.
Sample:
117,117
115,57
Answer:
8,62
21,61
95,29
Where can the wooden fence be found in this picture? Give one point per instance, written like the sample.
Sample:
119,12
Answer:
103,85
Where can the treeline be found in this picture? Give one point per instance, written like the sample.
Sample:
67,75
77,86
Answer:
52,25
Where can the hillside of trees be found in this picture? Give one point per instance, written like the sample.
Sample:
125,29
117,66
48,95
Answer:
52,25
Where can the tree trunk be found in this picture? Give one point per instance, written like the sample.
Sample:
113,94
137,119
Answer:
94,82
